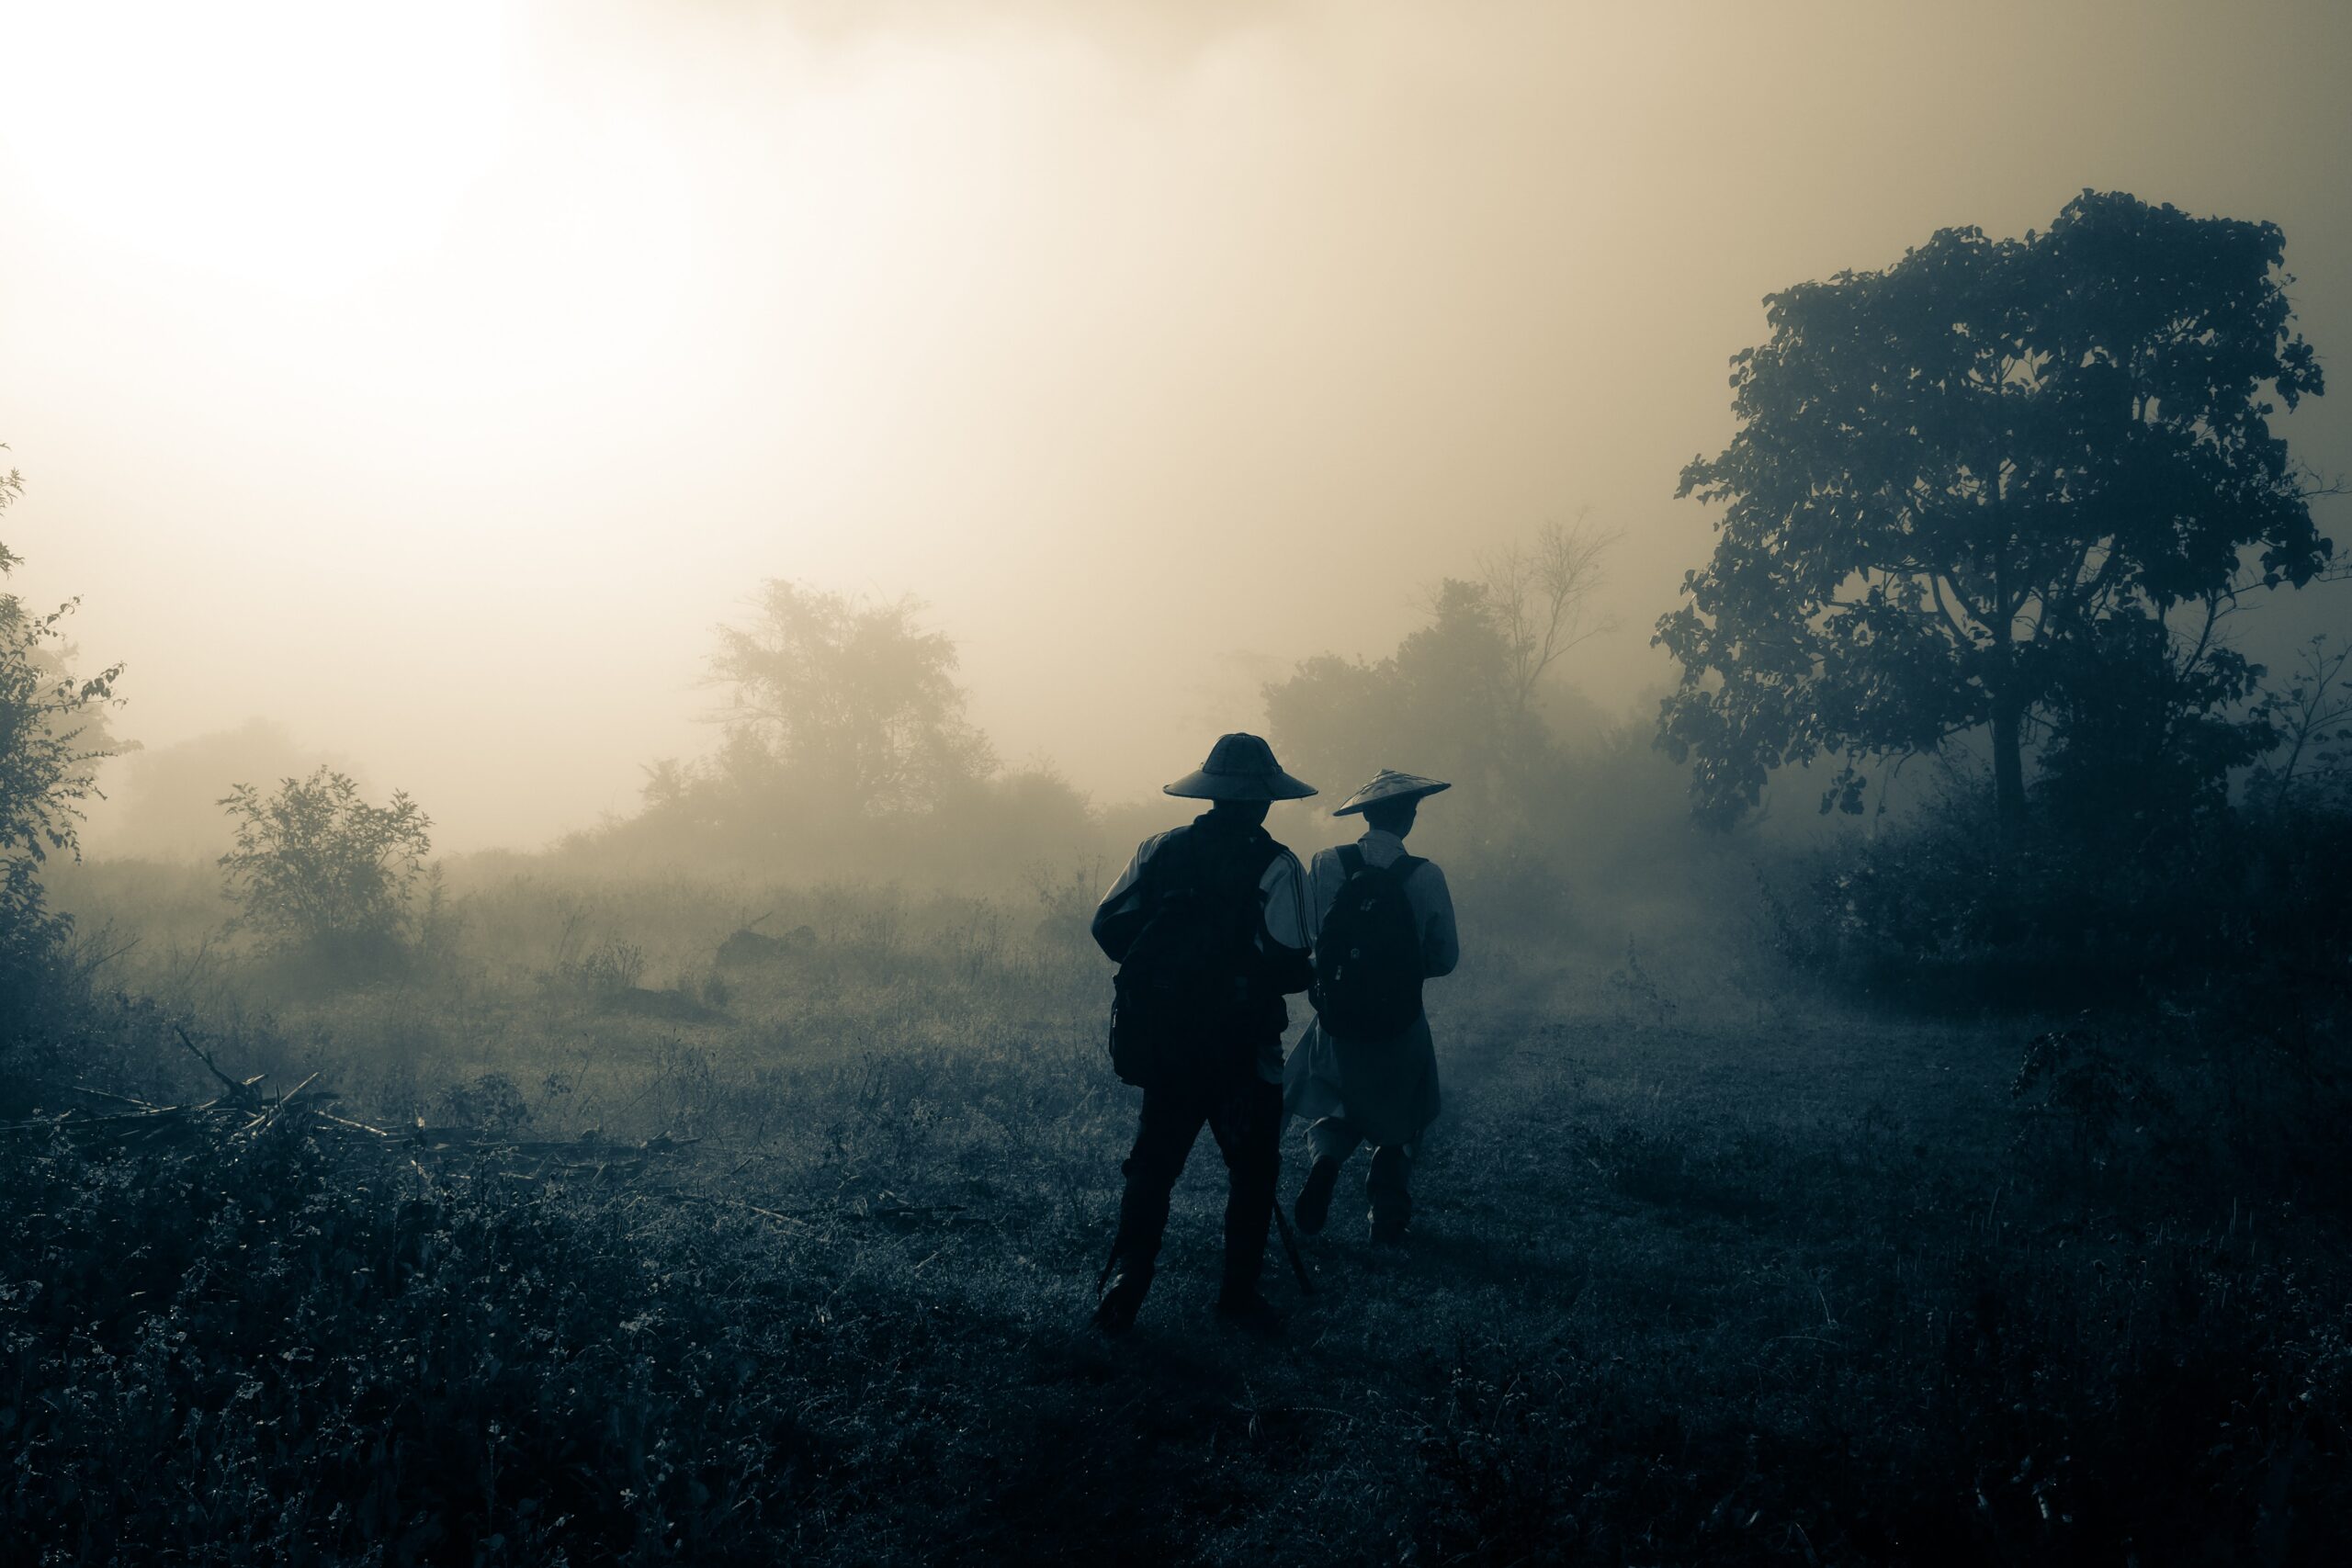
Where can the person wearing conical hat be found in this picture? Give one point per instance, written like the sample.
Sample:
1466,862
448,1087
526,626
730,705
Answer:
1230,1076
1382,1091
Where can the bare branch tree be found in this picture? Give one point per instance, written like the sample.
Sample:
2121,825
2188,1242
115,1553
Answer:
1541,596
2315,715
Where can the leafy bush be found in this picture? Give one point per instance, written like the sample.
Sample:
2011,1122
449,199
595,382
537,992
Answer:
320,871
51,743
2240,901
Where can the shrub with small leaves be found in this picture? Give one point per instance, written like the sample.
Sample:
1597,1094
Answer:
318,870
52,738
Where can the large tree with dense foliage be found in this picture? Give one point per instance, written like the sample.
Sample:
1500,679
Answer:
1959,484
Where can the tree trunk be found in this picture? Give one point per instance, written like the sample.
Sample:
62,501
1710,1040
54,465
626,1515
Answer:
2008,774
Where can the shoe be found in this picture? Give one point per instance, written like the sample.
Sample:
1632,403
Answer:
1314,1205
1251,1311
1388,1230
1122,1298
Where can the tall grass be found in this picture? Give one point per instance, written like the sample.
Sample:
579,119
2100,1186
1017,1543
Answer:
1710,1266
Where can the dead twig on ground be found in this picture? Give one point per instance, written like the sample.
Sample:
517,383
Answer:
236,1090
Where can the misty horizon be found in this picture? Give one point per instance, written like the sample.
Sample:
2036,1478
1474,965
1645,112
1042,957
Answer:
445,431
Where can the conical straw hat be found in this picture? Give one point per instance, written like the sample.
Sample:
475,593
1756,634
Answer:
1240,767
1389,785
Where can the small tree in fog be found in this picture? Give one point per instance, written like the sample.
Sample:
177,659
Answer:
1540,595
1955,481
1445,703
854,706
319,870
2313,711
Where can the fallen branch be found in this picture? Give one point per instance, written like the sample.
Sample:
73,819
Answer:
259,1124
118,1099
234,1087
346,1121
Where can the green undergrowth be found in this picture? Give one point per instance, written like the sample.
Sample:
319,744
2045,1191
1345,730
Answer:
1704,1270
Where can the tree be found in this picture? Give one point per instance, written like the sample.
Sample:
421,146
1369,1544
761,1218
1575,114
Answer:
2313,713
1444,702
1338,721
1540,595
52,741
165,805
853,704
2145,728
51,734
1955,481
318,870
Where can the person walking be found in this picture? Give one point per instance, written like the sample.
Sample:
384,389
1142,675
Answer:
1208,923
1366,1071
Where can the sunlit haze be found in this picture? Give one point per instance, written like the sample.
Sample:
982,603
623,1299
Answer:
432,378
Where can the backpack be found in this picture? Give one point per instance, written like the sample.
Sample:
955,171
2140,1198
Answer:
1368,954
1186,983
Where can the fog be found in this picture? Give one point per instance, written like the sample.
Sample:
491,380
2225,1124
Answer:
431,380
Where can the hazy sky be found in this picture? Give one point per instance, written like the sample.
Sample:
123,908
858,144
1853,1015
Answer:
433,377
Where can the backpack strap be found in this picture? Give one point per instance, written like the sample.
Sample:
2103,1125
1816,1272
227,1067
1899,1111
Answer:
1352,864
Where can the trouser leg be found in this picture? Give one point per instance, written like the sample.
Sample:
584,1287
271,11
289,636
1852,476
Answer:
1392,1201
1332,1138
1248,1125
1163,1141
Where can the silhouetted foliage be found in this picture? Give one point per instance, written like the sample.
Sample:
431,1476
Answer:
1961,483
1448,702
2232,912
2144,729
318,870
51,740
2313,712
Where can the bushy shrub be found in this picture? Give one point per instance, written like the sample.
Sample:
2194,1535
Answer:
51,740
319,871
1937,911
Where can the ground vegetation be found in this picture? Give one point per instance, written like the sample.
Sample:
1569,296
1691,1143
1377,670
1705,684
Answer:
1714,1263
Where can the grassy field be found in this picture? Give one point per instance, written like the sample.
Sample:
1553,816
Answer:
1708,1265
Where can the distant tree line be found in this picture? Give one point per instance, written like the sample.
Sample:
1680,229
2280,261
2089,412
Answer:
1991,507
844,750
1463,696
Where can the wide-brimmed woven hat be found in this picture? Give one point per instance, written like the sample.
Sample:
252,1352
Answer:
1240,767
1389,784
